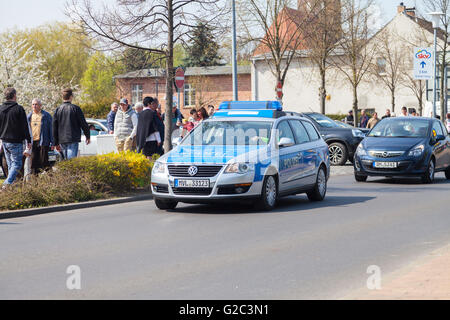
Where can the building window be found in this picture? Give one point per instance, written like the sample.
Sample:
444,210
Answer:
136,93
189,95
381,66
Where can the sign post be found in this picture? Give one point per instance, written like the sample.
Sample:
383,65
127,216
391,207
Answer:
179,83
423,63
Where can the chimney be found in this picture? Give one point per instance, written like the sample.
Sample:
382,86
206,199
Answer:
403,9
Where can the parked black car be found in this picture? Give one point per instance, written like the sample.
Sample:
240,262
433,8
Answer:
406,146
342,141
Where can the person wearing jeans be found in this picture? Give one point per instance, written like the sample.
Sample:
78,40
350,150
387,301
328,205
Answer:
14,130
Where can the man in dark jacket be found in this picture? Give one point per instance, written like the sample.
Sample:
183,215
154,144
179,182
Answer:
159,124
363,120
41,131
112,116
148,138
68,121
14,130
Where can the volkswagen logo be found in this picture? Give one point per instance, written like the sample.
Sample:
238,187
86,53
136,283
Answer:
193,171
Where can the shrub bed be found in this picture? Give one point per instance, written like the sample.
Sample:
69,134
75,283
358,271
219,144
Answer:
81,179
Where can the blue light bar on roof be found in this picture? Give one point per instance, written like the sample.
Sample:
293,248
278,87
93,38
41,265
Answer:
251,105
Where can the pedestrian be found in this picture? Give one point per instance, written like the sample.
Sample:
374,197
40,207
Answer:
148,137
138,108
448,121
159,124
68,122
112,116
349,119
404,112
211,110
177,118
14,129
125,127
202,114
387,115
373,121
364,119
41,132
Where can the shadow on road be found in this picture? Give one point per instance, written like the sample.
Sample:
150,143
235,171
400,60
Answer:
290,204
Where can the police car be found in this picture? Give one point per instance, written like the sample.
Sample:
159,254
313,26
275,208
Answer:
247,150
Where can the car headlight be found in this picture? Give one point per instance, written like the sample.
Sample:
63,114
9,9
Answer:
159,168
240,168
417,151
358,133
360,151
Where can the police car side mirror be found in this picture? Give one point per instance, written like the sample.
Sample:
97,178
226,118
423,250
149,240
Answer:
286,142
439,138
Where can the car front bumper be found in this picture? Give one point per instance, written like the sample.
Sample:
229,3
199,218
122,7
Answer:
223,186
406,166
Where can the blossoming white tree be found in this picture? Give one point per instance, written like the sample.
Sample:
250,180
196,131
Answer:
19,69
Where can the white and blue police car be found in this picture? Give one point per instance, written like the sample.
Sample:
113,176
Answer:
247,150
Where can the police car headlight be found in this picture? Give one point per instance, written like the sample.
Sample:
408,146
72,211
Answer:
358,133
240,168
159,168
417,151
360,151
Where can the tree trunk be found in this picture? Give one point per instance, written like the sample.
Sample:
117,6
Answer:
443,90
169,81
420,98
322,93
355,106
393,100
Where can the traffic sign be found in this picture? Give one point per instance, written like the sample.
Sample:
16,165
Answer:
423,63
279,90
179,78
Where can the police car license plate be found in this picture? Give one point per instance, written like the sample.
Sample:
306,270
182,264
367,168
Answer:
191,183
385,165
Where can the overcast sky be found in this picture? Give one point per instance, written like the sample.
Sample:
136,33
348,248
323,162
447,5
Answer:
31,13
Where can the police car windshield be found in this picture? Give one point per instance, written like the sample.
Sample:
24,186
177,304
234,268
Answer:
238,133
407,128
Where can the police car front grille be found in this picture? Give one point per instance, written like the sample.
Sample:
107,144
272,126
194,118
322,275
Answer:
192,191
203,171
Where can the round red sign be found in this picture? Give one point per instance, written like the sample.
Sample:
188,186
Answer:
179,78
279,90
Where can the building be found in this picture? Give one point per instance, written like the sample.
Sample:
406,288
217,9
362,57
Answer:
203,86
301,87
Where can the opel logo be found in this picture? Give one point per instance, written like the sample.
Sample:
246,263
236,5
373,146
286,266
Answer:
193,171
385,154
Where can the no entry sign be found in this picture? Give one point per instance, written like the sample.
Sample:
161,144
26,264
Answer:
279,90
179,78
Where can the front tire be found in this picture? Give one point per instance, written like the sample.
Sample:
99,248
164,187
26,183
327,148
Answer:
447,173
320,189
360,177
269,194
165,204
338,154
428,176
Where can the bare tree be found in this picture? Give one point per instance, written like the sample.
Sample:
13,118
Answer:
151,25
283,31
322,36
353,54
389,64
444,7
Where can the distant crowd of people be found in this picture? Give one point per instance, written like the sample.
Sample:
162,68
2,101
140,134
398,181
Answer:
26,140
366,122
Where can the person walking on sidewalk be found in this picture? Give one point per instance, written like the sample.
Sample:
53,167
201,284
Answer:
148,137
14,130
125,127
68,121
111,117
41,129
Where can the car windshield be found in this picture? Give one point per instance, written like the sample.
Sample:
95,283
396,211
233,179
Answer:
238,133
404,128
324,121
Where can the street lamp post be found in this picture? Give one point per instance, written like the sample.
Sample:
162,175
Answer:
234,59
435,18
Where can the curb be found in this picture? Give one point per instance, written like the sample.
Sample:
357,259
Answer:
72,206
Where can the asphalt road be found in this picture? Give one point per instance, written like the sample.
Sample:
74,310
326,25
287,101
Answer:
302,250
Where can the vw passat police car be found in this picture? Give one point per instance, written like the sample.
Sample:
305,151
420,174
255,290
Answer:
248,150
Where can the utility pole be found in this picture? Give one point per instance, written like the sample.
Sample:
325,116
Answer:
234,58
